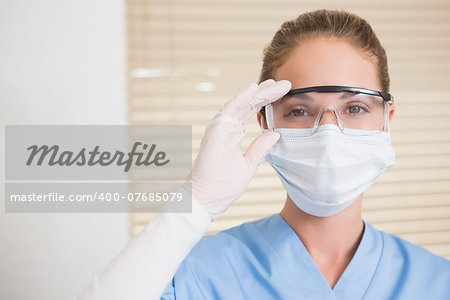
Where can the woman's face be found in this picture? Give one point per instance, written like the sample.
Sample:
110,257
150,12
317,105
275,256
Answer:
329,61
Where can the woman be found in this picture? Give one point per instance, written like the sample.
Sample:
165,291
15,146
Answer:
324,107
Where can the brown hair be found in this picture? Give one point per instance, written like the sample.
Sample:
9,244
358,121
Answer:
327,23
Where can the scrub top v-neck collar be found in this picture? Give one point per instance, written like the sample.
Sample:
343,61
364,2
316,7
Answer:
305,274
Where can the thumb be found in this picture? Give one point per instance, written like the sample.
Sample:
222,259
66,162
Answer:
260,146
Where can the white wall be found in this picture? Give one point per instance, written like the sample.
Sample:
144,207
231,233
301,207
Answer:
61,62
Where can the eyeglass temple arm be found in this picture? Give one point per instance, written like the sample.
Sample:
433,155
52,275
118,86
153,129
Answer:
269,117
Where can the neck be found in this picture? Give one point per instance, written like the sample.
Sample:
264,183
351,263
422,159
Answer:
331,241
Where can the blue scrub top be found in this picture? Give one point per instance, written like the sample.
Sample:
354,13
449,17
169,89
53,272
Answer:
265,259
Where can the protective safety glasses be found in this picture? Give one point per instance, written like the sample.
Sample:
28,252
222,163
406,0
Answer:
347,107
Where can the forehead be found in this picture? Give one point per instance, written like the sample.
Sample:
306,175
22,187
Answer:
328,61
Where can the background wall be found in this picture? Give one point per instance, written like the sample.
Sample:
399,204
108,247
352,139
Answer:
61,62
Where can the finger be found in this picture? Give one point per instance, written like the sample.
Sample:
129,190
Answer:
269,94
271,90
266,83
264,96
251,99
233,107
260,146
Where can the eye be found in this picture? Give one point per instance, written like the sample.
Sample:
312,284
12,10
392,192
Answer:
298,113
356,109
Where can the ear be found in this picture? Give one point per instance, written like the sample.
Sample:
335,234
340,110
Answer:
261,120
391,111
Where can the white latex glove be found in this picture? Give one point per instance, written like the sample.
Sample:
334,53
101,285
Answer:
146,266
221,173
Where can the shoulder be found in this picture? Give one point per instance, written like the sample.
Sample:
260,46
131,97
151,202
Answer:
408,271
244,237
414,258
229,250
228,256
410,250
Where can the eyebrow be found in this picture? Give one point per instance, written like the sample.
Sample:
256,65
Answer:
304,96
347,94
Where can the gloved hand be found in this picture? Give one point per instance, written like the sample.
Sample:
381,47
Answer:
221,172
